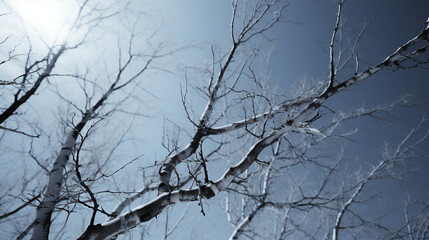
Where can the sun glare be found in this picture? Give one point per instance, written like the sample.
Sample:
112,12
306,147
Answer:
48,17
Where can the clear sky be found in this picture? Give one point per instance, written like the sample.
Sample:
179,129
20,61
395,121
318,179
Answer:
298,51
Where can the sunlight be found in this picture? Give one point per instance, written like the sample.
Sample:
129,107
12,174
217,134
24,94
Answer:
48,17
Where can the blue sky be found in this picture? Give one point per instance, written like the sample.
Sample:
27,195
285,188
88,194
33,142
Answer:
297,51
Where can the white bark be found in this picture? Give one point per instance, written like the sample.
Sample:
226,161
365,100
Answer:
247,32
151,209
47,206
56,177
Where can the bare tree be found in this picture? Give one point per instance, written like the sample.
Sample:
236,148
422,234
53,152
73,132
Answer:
274,161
